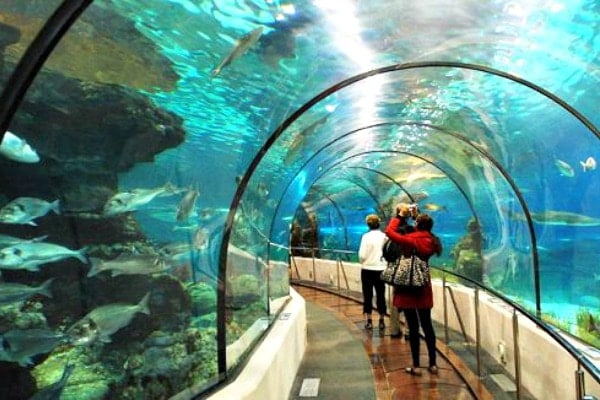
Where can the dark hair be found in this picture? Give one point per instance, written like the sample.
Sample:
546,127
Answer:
424,222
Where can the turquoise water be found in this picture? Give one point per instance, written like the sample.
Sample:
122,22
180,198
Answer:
488,114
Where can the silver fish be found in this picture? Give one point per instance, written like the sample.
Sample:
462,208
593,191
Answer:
7,240
129,264
132,200
17,149
102,322
23,210
241,46
54,390
20,345
186,205
16,292
589,164
30,256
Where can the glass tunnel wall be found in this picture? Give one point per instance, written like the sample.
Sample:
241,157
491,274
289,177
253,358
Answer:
178,149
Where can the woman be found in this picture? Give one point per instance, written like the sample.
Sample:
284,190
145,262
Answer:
400,225
369,255
417,305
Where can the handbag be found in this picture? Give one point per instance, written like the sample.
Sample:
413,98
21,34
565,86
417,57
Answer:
411,272
389,273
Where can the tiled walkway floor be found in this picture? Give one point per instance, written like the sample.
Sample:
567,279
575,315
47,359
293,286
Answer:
388,358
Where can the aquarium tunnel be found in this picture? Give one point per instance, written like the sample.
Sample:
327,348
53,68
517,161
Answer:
160,161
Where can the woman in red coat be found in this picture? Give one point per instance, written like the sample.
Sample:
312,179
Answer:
417,305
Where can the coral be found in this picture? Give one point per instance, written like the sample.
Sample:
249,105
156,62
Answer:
203,297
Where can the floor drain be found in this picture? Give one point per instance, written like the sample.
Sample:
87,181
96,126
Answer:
310,387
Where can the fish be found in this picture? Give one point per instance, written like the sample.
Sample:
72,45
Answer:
134,199
209,213
421,175
29,256
589,164
413,198
7,240
23,210
186,205
129,264
432,207
241,46
100,323
558,218
593,325
17,292
20,345
201,239
564,168
17,149
54,390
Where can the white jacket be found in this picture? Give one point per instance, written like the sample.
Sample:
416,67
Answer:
369,252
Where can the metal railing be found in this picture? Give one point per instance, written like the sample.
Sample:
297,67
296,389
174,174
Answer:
343,286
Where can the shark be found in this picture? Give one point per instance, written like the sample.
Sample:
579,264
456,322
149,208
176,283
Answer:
559,218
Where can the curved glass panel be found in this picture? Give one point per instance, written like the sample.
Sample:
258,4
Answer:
151,122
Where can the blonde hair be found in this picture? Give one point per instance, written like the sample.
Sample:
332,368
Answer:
403,209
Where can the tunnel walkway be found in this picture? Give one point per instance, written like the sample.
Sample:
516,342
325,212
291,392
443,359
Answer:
334,368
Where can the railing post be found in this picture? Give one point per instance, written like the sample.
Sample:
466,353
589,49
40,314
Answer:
477,333
314,273
579,384
338,265
517,354
445,305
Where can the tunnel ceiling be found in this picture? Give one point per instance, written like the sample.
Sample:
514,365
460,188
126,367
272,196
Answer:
475,103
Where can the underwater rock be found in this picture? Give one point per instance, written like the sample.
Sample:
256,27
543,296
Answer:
104,37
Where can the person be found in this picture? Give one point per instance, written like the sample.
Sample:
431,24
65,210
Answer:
370,258
399,224
417,305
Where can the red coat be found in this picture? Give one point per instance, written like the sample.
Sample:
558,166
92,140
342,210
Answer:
426,245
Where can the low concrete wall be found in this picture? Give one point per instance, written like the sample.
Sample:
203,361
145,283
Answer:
270,372
547,370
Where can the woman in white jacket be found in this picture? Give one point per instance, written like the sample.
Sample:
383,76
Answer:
369,255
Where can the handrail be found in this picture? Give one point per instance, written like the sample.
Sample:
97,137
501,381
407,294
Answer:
552,332
591,368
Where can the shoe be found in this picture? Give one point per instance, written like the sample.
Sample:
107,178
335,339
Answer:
381,324
369,324
414,371
433,370
396,335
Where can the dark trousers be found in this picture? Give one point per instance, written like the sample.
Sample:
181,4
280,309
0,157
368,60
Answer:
372,279
413,318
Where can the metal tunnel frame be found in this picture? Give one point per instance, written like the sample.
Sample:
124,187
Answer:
69,11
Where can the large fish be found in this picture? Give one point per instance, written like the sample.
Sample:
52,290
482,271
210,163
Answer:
240,47
23,210
129,264
558,218
19,345
187,205
102,322
7,240
54,390
17,149
31,255
132,200
16,292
